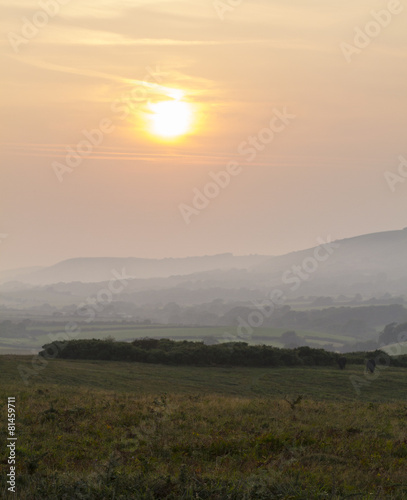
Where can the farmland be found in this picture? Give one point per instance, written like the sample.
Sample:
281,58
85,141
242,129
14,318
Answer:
104,430
43,333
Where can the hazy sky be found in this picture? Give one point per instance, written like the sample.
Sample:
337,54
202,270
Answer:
325,114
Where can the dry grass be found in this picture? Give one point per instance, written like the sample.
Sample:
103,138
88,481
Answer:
87,443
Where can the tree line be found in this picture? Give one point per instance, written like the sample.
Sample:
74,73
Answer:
166,351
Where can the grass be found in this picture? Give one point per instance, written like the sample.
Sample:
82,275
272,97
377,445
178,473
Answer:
109,430
319,383
268,336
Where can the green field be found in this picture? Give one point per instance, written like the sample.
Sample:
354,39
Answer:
111,430
268,336
318,383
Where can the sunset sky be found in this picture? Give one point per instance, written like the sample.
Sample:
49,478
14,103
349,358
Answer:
172,93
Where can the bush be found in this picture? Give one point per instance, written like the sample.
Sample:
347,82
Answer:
185,352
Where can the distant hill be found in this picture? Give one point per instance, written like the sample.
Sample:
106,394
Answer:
16,274
366,254
97,269
372,265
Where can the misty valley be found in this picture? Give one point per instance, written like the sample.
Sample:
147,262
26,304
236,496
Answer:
209,377
341,302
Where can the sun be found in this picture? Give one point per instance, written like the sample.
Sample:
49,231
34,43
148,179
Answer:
170,119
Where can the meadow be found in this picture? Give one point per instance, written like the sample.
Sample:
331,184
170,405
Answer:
115,430
267,336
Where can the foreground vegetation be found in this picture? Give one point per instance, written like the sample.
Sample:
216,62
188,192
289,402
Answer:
116,430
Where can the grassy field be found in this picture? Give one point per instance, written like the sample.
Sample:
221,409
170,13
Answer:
268,336
110,430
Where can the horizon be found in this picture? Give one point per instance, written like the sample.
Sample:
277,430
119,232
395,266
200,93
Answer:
192,256
167,129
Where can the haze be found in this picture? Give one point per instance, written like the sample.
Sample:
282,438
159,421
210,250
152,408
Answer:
323,173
